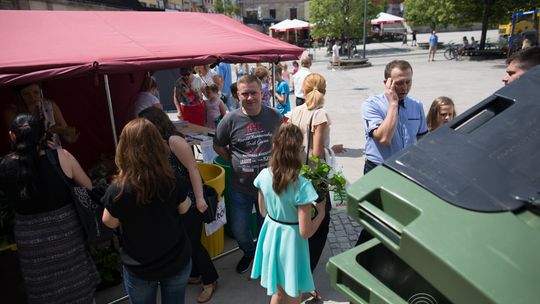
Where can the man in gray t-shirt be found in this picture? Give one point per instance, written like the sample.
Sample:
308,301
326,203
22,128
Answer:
244,137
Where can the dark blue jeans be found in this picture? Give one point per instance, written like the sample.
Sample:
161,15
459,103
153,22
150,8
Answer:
173,290
241,209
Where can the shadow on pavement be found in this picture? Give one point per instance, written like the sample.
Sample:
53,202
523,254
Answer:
352,153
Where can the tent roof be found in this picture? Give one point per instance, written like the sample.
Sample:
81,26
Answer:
289,24
384,18
40,45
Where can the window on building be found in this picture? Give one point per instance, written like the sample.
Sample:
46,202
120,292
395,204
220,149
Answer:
272,13
293,13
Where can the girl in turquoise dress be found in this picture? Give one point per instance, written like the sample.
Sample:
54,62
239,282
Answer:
282,256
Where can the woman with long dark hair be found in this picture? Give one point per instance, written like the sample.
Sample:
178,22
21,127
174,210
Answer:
185,168
145,199
55,263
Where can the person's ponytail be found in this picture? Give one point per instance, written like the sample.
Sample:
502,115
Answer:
314,88
314,99
28,131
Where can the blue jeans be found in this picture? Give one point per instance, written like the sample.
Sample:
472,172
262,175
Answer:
141,291
241,209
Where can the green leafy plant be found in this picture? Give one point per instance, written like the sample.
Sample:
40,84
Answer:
101,173
323,176
108,264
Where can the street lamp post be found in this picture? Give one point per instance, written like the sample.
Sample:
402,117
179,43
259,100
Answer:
365,28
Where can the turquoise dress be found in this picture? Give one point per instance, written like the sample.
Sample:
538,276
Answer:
282,255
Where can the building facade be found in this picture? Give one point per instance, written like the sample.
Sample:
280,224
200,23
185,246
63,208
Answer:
273,9
180,5
53,5
395,7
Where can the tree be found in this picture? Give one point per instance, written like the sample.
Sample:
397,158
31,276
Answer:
340,18
441,13
433,13
226,7
492,12
219,7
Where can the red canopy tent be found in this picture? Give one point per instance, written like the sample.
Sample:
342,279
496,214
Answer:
78,55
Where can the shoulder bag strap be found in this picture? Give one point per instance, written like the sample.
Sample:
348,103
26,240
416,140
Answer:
309,135
56,165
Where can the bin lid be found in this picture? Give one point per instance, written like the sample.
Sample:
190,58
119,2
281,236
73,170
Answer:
488,158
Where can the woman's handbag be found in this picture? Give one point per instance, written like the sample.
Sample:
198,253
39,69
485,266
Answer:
211,197
88,206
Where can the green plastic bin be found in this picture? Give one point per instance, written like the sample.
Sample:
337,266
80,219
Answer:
426,247
227,195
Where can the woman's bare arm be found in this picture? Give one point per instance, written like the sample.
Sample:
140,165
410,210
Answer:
109,220
318,140
73,169
182,151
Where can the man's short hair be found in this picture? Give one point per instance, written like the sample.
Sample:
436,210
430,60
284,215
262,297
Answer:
526,58
247,79
400,64
305,61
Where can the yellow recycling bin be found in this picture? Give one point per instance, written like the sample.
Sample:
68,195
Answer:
213,176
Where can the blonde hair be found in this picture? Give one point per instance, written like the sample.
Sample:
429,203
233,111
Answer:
314,88
143,164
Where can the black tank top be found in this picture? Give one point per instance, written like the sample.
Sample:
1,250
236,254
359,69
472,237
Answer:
52,193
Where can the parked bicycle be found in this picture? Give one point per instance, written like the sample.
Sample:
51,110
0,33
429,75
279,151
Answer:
453,51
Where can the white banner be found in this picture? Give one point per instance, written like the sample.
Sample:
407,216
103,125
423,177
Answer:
221,219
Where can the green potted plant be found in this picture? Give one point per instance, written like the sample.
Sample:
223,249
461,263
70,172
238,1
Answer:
324,177
105,255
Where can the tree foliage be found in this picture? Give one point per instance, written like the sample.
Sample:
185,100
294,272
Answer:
340,18
433,13
226,7
441,13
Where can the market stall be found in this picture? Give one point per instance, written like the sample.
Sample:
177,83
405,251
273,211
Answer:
388,26
283,30
91,63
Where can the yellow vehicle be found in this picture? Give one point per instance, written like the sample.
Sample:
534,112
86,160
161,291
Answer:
521,26
524,24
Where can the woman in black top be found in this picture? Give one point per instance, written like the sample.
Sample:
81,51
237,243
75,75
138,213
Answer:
55,264
185,168
145,199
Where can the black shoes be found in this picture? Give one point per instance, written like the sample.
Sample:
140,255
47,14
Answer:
243,264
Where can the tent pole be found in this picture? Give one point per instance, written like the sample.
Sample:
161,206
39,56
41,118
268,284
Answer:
273,84
109,103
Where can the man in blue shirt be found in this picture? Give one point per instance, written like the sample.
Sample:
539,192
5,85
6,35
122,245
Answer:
392,120
433,40
282,94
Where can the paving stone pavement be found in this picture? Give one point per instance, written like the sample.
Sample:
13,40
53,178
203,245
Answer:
344,232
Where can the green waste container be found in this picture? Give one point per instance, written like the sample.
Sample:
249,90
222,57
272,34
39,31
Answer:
456,216
426,247
227,195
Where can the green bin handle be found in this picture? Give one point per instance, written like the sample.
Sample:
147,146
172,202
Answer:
380,224
356,282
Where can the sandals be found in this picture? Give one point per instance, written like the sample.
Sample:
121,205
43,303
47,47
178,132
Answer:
194,280
207,293
315,297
